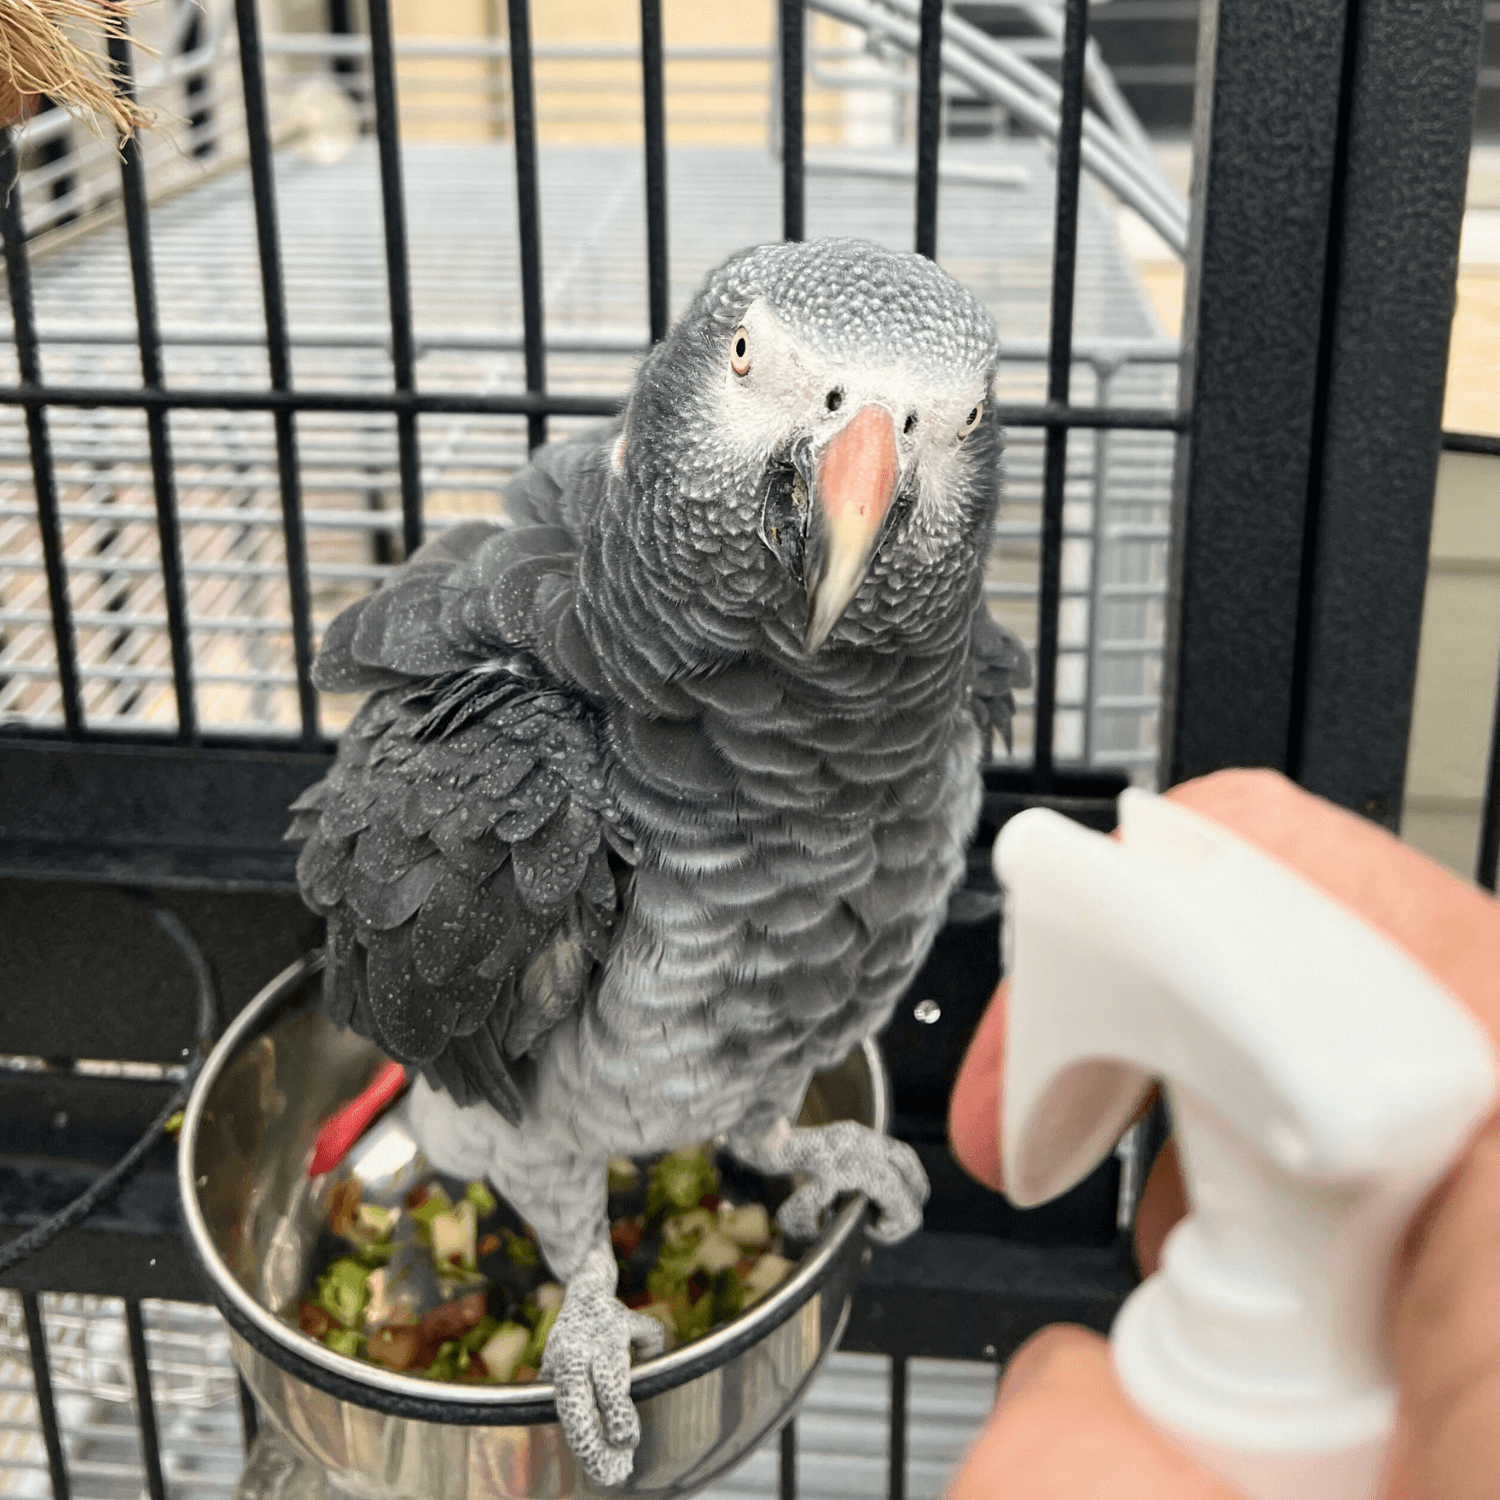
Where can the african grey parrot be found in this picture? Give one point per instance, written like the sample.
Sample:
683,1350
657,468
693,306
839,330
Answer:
662,787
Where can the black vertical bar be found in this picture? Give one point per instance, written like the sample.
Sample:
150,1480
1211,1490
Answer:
896,1489
528,211
143,282
653,88
278,354
1059,378
793,21
43,479
397,266
1252,331
249,1416
929,124
1412,80
788,1487
41,1376
145,1404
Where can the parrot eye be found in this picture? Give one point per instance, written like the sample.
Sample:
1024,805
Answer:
971,421
835,399
739,351
911,423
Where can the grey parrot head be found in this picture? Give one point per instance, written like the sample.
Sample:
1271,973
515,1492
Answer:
813,440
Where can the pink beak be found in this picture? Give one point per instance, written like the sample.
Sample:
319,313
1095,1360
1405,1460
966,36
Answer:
852,494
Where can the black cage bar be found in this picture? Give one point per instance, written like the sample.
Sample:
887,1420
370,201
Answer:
1286,404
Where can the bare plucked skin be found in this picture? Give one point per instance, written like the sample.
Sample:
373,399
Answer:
609,856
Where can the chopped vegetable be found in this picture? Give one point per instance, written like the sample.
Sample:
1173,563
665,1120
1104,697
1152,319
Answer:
679,1180
343,1289
482,1198
398,1346
503,1350
374,1221
173,1127
313,1319
711,1260
343,1205
435,1202
716,1252
455,1232
770,1271
623,1174
749,1226
519,1250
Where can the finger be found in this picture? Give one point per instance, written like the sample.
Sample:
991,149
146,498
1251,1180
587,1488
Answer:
611,1377
1063,1429
974,1109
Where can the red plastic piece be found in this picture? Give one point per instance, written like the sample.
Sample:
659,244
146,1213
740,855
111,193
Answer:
341,1130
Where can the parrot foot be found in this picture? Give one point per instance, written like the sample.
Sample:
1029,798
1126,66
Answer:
841,1158
588,1362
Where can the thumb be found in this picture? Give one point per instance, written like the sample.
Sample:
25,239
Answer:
1062,1429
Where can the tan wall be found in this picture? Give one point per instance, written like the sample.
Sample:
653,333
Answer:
710,101
1456,668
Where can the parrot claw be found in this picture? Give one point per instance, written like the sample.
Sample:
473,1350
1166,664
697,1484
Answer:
841,1158
588,1362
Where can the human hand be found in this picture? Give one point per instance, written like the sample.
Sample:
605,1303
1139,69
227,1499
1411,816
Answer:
1063,1429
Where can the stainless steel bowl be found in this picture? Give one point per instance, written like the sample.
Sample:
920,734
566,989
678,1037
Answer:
246,1140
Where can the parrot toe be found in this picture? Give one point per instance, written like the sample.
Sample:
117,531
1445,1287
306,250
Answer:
588,1362
837,1159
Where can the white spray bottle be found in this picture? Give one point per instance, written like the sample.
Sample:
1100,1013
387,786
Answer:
1320,1084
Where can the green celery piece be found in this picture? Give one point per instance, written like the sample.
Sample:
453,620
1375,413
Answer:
482,1199
538,1345
480,1334
342,1341
374,1255
679,1180
343,1290
436,1202
445,1365
729,1294
519,1250
692,1318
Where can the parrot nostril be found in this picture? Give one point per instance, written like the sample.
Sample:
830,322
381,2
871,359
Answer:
835,399
911,422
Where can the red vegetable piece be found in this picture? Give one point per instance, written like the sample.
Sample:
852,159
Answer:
476,1370
638,1299
343,1205
744,1265
487,1246
710,1201
523,1375
418,1196
454,1319
626,1235
397,1346
313,1319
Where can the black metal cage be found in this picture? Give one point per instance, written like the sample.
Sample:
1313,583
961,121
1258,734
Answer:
1328,193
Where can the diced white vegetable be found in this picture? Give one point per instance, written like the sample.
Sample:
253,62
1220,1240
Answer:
456,1232
549,1296
767,1273
749,1226
717,1252
662,1312
503,1352
376,1221
683,1226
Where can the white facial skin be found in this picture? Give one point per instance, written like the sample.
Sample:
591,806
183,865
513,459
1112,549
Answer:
783,397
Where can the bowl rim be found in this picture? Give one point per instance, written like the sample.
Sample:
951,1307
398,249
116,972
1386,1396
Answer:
436,1401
